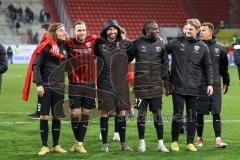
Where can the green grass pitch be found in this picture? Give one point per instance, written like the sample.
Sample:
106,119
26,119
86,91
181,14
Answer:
20,138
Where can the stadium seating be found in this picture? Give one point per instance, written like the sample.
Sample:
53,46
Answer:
10,36
238,15
212,11
130,14
49,7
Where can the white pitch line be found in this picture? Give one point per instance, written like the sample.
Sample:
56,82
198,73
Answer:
67,122
14,113
94,120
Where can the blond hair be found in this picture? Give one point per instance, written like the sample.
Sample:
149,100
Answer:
193,22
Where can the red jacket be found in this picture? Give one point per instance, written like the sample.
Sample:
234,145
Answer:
81,60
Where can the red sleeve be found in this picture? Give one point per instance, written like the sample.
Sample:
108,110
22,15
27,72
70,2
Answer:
130,75
27,84
52,43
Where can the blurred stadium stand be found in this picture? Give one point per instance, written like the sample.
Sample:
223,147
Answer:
131,14
212,11
27,30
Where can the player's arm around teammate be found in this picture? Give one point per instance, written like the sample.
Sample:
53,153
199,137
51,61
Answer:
48,72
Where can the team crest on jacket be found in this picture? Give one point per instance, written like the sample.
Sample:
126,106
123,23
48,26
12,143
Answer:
158,49
143,48
216,50
196,49
88,44
64,53
182,47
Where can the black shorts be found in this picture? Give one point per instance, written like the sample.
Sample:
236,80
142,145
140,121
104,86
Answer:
211,104
110,100
51,100
81,101
155,104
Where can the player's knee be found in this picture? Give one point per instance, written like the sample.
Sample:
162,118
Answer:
75,112
104,114
121,113
44,117
85,111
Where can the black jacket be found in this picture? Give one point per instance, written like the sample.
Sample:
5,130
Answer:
48,69
219,59
237,54
112,65
9,52
3,60
150,68
190,62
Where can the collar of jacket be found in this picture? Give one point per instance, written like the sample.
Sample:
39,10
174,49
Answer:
105,40
150,39
210,41
59,41
192,39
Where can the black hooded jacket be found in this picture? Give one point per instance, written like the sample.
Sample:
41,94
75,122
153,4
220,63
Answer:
219,59
112,64
191,63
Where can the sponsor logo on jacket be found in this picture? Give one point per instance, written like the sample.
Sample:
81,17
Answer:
82,51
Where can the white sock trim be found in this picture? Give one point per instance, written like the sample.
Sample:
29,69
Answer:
160,142
218,138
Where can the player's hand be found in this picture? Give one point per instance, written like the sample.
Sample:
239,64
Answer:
40,91
225,89
168,86
55,49
209,90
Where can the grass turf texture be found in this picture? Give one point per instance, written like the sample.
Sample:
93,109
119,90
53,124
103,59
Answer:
20,138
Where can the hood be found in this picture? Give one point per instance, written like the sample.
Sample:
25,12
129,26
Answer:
111,23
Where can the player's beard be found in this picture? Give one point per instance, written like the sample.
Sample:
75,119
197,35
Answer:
153,35
112,36
81,38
